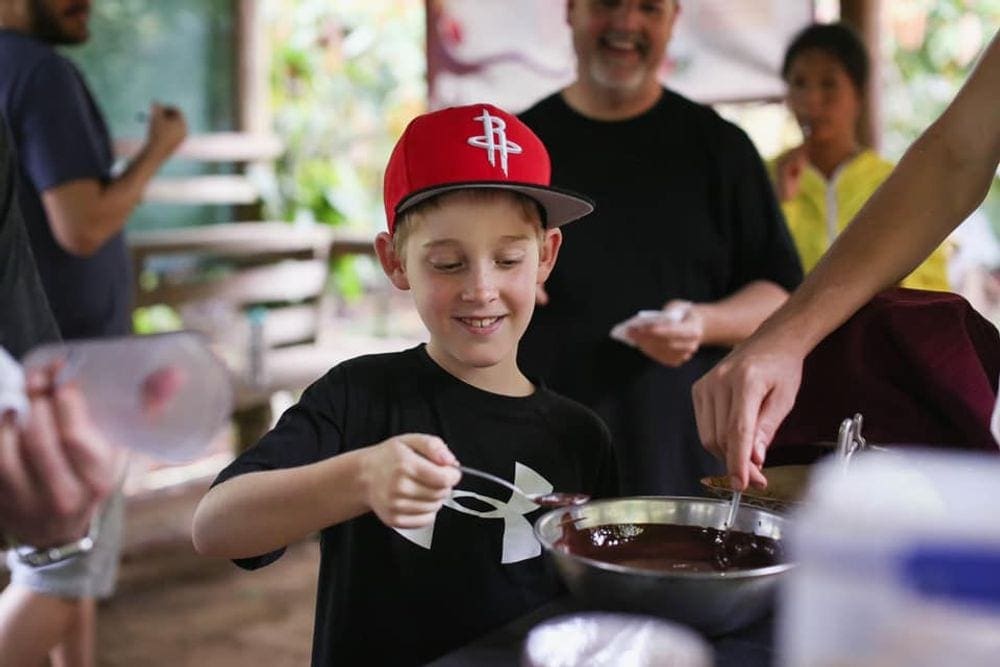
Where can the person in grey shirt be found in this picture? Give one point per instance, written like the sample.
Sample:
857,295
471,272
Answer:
56,469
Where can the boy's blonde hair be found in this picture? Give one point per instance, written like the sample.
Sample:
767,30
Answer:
529,209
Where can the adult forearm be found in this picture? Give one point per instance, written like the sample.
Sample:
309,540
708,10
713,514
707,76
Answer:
259,512
84,214
730,320
121,195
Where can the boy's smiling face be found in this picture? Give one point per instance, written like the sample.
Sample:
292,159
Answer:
472,263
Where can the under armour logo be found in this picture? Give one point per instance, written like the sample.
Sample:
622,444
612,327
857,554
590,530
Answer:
519,541
494,140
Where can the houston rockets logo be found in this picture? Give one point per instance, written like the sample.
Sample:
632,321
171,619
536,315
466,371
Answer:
494,140
519,541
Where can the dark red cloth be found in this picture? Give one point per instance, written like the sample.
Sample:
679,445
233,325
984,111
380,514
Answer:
921,367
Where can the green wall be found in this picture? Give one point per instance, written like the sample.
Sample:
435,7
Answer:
179,52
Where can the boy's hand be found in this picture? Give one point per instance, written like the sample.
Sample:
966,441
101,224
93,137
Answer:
407,478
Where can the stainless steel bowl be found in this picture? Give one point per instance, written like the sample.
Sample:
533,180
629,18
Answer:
713,602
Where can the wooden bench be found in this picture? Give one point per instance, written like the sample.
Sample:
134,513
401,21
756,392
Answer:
281,268
239,148
242,266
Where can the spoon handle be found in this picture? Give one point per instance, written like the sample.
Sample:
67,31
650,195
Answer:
733,507
493,478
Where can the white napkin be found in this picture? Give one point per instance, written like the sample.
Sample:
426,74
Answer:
671,315
12,390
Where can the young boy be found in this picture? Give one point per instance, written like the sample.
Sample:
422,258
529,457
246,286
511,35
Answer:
416,560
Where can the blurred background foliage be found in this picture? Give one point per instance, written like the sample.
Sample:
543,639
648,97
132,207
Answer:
346,76
345,79
932,46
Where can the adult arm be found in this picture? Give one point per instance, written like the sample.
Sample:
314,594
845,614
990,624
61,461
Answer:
721,323
85,213
944,175
730,320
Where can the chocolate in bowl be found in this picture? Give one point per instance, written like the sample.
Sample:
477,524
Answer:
714,601
670,547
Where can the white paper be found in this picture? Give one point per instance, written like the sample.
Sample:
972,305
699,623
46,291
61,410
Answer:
12,391
672,315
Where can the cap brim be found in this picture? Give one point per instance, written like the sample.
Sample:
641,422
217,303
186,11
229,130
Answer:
561,206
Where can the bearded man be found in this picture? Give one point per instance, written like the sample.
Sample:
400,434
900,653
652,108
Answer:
686,222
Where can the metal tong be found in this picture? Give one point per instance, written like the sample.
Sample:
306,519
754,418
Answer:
849,439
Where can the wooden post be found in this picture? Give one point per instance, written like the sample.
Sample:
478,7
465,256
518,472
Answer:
865,16
431,11
253,114
252,109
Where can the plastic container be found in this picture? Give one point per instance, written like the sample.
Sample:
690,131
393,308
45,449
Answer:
597,639
898,563
165,395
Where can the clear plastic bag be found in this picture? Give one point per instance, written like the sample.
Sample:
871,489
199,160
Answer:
165,395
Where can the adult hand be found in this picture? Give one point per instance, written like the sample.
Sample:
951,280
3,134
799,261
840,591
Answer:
671,343
167,129
407,478
788,172
740,404
57,469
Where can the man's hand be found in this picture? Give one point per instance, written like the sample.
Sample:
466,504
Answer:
671,343
55,471
167,130
740,404
407,478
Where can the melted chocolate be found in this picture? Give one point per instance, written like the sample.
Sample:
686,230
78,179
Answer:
670,547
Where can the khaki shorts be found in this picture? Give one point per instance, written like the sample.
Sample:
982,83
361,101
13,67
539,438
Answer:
89,575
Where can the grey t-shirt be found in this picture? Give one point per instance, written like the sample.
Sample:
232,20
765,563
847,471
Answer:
25,317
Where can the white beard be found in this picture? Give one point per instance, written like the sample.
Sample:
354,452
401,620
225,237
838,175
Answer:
602,75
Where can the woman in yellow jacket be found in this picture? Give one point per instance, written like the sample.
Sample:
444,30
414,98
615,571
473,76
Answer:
826,180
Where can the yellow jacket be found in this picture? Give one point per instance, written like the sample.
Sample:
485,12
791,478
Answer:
822,209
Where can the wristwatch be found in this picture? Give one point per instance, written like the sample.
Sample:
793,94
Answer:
36,557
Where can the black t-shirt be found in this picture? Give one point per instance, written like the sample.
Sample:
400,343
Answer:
389,597
684,211
25,318
60,137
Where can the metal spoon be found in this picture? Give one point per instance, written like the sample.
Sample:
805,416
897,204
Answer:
734,506
553,499
724,552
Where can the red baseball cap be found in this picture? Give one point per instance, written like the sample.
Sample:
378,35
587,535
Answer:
474,146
